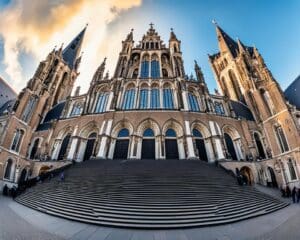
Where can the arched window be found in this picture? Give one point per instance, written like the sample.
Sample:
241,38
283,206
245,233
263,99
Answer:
168,98
144,92
148,133
128,101
170,133
155,99
123,133
281,139
219,109
235,85
8,169
155,72
28,109
101,102
15,146
267,101
259,146
193,102
76,110
292,170
145,67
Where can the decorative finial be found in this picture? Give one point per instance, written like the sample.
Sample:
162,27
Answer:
214,22
151,25
86,24
131,29
172,29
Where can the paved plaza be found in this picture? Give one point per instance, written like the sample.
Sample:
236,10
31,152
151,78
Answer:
19,222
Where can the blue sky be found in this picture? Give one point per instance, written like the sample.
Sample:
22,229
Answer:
272,26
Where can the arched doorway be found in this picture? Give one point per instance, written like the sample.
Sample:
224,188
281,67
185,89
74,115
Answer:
23,176
89,150
122,144
259,146
148,144
200,145
273,177
230,146
171,144
64,147
247,173
8,169
34,149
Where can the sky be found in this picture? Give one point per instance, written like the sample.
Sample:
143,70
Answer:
28,32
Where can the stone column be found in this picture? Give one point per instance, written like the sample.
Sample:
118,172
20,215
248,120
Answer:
175,98
73,147
104,139
189,140
185,100
110,98
181,148
56,148
81,150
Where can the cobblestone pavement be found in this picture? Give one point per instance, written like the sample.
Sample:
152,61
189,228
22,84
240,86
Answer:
19,222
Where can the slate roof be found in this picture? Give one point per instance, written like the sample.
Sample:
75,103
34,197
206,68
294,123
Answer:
7,107
53,114
72,51
241,110
292,93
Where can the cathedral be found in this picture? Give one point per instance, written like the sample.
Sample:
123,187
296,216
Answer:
150,109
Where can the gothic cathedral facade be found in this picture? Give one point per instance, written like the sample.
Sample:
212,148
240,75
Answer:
150,109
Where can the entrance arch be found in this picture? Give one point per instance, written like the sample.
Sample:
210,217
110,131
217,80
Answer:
148,144
122,144
90,145
171,144
64,147
247,173
230,146
273,177
200,145
259,146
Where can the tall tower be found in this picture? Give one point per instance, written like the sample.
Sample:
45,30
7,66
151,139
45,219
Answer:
123,62
176,55
52,82
242,75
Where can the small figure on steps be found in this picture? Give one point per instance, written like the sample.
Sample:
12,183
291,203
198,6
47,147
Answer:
62,176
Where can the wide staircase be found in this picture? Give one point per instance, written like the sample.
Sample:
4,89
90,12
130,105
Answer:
149,194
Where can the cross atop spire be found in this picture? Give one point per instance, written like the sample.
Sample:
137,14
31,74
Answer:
151,25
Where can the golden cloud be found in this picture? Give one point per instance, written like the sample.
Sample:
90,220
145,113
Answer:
36,27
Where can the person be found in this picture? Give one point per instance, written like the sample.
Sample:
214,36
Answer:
282,192
298,195
294,192
288,192
62,176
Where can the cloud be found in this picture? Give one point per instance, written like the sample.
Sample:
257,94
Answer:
37,27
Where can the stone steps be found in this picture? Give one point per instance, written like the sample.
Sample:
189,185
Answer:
149,194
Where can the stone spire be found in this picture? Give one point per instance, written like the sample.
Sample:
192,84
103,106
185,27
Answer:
226,43
199,73
173,35
129,37
71,53
98,76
